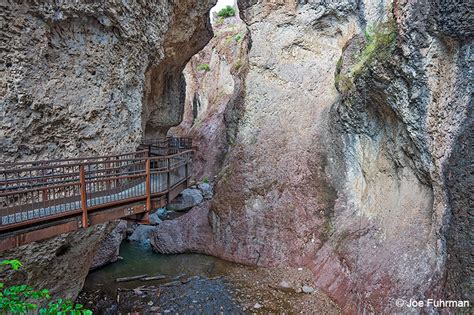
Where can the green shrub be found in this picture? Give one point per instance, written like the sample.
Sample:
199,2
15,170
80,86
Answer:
23,299
205,179
226,12
204,67
238,38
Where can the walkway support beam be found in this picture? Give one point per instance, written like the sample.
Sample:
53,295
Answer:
148,185
82,180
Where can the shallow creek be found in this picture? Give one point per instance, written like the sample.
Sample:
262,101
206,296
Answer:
196,284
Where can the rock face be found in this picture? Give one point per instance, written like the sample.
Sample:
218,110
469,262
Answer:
60,264
108,251
352,151
86,78
92,77
214,96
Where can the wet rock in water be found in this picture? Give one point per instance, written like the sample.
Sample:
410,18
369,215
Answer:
186,200
308,289
155,218
108,251
162,213
142,234
206,190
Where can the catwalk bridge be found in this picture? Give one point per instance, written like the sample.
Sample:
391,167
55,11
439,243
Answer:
42,199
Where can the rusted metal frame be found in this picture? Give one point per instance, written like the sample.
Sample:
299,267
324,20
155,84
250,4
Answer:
37,235
137,160
15,226
36,186
168,179
41,188
148,185
170,194
115,177
122,174
26,179
78,160
82,176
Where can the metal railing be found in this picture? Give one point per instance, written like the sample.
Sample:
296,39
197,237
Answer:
43,191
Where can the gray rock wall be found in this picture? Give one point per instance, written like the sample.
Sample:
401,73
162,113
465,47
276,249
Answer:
93,77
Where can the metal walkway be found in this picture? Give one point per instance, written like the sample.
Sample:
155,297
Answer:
42,199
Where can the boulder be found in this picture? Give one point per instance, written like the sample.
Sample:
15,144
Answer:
206,190
142,234
155,218
186,200
108,251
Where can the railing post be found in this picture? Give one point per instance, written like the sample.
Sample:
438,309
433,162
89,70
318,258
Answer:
148,185
168,180
186,170
82,179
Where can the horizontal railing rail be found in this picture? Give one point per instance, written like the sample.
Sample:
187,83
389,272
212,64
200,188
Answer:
41,191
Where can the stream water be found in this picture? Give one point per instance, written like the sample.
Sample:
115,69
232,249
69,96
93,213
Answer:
194,284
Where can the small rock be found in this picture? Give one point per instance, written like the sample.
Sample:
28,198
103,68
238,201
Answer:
206,190
308,289
167,311
257,305
154,218
150,303
300,269
284,284
161,212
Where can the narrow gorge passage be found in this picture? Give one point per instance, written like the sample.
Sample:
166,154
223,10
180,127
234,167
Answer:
236,157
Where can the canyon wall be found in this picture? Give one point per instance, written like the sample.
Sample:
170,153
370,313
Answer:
214,87
85,78
352,151
93,77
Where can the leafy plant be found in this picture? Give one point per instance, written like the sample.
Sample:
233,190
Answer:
203,67
14,263
23,299
238,38
226,12
205,180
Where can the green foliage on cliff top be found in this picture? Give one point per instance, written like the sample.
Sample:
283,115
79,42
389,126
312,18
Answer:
379,45
226,12
204,67
23,299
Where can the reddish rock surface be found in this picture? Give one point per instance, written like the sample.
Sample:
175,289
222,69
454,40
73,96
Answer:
349,182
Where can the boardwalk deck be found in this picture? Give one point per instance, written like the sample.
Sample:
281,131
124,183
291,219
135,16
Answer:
46,194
